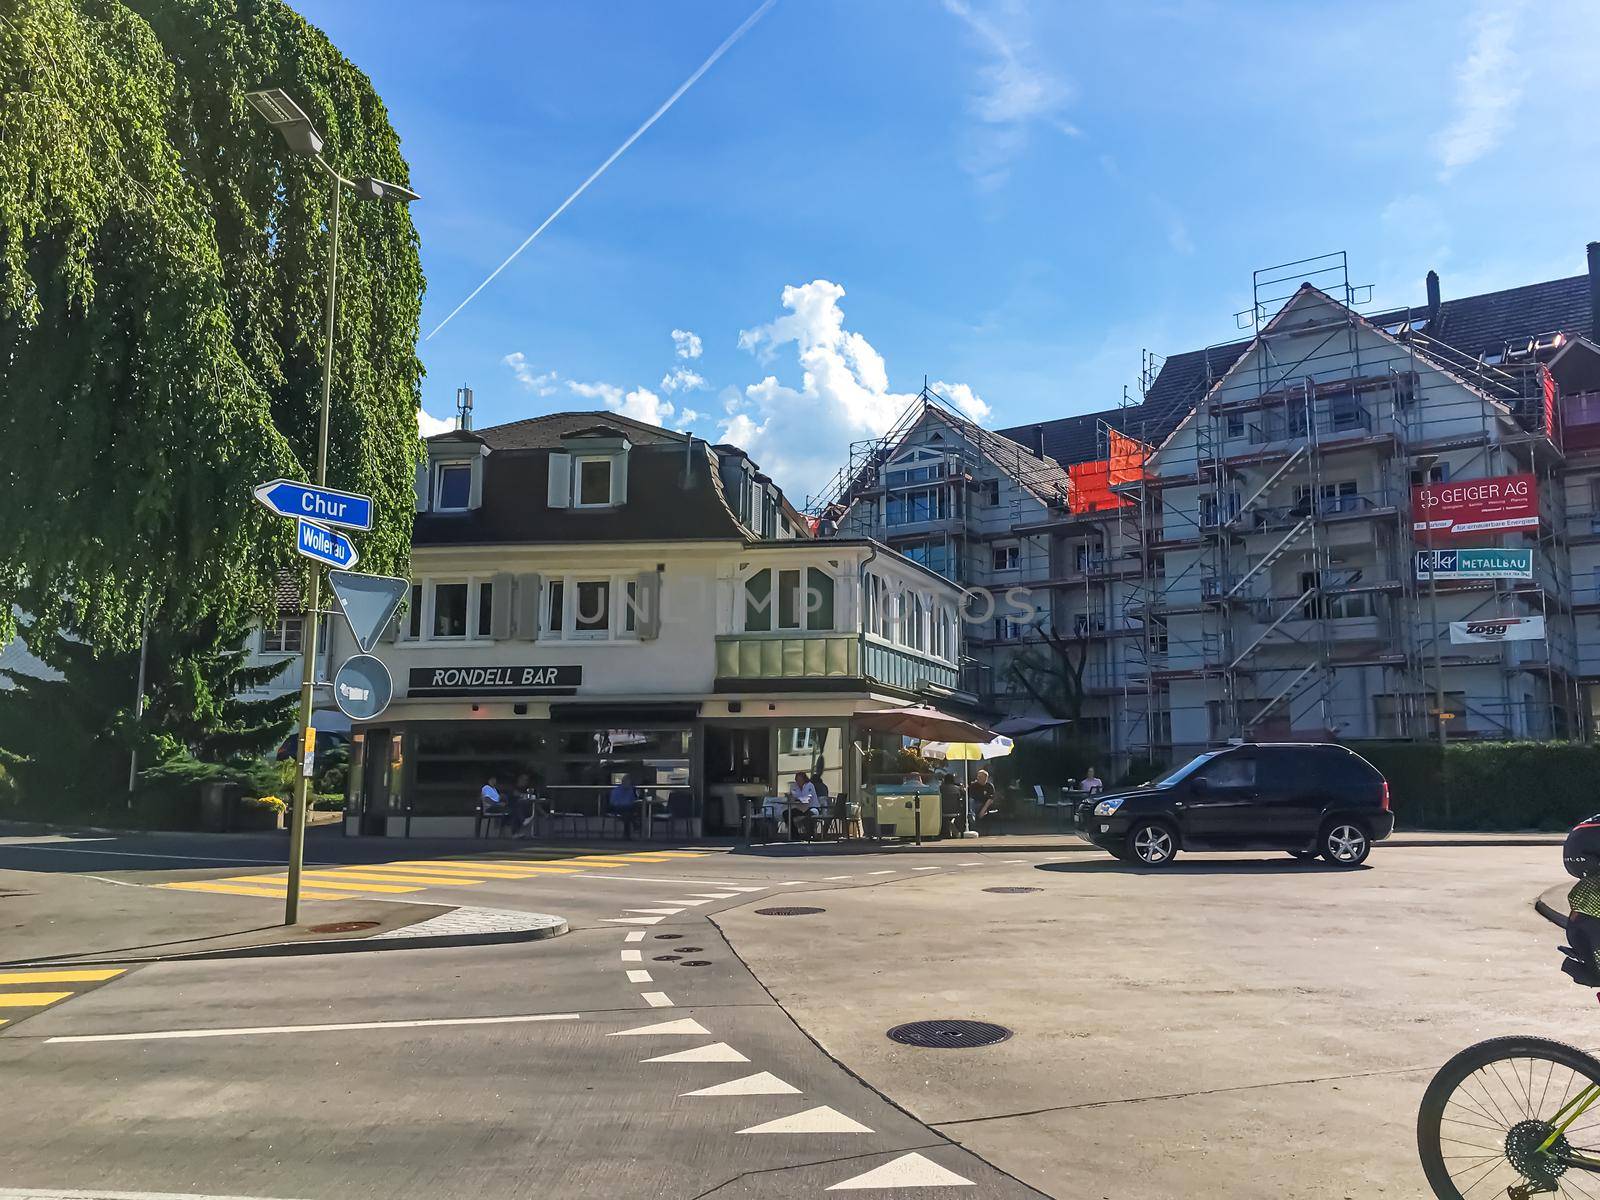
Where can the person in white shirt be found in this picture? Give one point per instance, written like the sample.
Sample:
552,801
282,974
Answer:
1091,783
802,805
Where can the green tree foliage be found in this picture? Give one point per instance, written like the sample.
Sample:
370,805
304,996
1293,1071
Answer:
71,736
162,268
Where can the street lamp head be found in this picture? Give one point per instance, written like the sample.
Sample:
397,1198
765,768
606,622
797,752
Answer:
377,189
280,111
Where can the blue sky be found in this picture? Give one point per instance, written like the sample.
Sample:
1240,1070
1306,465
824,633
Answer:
1009,199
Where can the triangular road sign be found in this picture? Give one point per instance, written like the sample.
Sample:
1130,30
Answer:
369,602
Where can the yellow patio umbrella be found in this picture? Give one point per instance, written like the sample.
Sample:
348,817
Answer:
965,753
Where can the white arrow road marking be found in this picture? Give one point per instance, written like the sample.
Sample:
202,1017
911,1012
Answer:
763,1083
715,1052
656,999
907,1171
821,1119
640,977
686,1026
633,920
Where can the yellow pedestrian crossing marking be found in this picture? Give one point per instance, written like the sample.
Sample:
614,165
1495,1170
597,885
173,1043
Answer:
13,998
30,999
344,881
60,976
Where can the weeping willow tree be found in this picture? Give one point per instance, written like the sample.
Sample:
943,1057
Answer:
162,263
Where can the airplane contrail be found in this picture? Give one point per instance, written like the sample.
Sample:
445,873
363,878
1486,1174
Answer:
615,154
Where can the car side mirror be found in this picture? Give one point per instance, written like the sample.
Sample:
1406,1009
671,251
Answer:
1201,785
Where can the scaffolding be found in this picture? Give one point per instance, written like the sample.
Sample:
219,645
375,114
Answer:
1305,451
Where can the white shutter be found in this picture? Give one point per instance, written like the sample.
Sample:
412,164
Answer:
500,608
647,592
475,490
527,609
619,478
422,486
560,480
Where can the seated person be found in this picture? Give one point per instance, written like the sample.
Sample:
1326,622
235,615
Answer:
1090,783
952,804
802,806
624,804
983,794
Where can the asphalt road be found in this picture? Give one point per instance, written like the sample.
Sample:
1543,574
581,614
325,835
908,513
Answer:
427,1089
1237,1026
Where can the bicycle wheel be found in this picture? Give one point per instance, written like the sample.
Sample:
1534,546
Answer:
1490,1108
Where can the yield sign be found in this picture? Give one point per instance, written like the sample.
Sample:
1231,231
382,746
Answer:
369,602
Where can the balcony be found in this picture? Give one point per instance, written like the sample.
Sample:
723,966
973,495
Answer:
799,661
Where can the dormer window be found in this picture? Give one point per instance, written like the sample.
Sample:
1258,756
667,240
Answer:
453,487
594,482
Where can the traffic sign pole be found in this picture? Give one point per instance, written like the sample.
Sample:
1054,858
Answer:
308,641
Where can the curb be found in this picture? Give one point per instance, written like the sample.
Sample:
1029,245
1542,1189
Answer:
1550,912
1405,841
526,927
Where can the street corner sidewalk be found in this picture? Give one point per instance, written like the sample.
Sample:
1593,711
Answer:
67,919
1551,904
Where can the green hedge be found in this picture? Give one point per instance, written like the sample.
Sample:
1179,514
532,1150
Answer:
1488,785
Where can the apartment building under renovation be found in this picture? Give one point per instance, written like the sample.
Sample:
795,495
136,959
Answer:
1237,553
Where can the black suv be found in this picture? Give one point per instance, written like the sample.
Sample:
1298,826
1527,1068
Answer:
1306,798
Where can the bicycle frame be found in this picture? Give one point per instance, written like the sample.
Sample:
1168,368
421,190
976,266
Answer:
1562,1121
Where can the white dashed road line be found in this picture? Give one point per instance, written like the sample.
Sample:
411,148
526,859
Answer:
656,999
880,872
638,976
631,956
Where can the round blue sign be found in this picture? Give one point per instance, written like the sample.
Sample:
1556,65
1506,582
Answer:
362,687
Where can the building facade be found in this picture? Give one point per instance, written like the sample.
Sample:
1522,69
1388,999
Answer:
595,598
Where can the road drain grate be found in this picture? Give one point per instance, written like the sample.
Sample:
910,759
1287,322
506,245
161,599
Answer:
789,911
948,1035
344,926
695,962
1012,891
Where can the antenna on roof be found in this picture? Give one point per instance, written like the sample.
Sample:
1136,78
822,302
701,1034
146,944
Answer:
463,408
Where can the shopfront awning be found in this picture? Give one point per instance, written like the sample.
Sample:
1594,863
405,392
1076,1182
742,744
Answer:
921,721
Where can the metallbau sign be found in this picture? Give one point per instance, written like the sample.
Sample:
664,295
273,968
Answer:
1475,506
1497,629
324,505
362,687
369,602
327,546
1489,563
517,680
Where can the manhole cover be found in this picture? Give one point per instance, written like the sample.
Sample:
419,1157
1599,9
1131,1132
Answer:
789,911
668,937
1012,891
695,962
667,958
687,949
344,926
948,1035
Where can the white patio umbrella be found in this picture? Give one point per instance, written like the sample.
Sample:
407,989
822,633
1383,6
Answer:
966,753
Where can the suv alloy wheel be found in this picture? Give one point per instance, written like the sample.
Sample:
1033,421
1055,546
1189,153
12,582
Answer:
1345,843
1152,843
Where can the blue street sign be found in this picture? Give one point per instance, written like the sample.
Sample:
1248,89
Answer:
362,687
324,505
325,545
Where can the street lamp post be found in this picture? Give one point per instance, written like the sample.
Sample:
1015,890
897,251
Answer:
283,114
1425,463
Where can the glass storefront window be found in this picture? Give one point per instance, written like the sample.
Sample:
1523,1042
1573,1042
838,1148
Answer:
818,750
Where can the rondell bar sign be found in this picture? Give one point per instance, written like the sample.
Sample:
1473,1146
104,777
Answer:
494,681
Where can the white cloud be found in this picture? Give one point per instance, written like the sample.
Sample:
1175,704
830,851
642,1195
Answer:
428,425
682,379
801,435
964,398
641,403
539,385
687,344
1487,88
1014,92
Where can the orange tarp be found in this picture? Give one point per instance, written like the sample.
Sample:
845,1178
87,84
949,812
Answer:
1091,482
